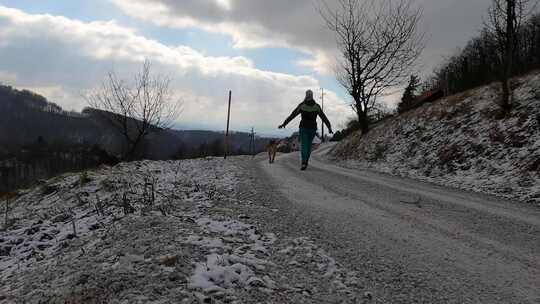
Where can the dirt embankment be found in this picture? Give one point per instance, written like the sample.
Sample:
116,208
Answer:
460,141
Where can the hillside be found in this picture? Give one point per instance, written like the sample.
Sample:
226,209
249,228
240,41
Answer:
460,141
162,232
32,116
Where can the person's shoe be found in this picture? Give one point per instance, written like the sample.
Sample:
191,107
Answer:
304,167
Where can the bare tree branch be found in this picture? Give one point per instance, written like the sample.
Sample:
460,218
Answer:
379,41
135,110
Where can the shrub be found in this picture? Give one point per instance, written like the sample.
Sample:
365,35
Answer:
449,154
48,189
516,140
351,126
379,151
534,164
84,179
107,185
496,135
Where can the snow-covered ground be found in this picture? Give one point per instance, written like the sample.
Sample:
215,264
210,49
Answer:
156,232
460,142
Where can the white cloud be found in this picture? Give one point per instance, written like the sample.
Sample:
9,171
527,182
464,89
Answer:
321,62
298,25
62,57
71,99
250,24
6,77
225,4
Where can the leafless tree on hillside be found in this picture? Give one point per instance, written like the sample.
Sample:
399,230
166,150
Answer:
504,22
378,41
138,109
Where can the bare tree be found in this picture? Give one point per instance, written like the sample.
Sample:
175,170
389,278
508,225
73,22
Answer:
378,41
135,110
504,22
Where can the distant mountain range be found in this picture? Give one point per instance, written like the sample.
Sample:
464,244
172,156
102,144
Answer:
27,116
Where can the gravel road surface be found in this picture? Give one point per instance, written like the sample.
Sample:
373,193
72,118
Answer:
408,241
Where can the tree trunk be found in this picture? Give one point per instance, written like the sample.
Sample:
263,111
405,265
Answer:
363,120
362,114
364,125
509,53
131,150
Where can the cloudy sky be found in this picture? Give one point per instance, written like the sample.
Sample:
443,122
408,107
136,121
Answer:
267,52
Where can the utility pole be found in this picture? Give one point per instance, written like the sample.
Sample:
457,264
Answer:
322,108
227,131
252,142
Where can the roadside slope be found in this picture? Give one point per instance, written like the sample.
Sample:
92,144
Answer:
191,231
459,141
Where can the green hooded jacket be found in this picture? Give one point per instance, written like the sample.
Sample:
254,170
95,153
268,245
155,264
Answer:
309,110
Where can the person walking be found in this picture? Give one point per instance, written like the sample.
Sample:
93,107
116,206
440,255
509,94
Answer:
309,110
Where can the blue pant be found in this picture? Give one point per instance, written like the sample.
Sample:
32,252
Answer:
306,139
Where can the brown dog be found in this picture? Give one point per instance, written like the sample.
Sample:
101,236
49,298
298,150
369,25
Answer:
272,149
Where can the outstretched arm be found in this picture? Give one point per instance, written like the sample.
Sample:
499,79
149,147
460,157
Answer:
326,121
295,113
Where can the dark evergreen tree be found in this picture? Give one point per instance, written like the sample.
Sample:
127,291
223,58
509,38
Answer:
407,101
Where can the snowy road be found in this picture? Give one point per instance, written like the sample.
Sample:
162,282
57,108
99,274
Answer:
412,241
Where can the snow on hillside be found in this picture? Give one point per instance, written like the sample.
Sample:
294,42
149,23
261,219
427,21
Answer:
159,232
460,141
